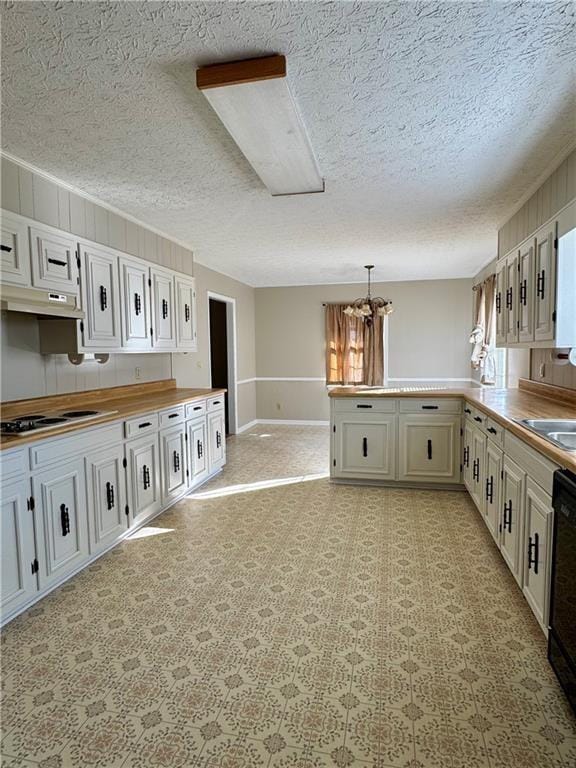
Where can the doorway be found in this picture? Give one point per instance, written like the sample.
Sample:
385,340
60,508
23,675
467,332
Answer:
222,348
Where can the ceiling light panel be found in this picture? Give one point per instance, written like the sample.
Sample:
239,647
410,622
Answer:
253,100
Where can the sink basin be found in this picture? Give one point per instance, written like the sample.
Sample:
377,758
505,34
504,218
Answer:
561,432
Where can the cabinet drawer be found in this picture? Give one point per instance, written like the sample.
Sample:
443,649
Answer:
476,416
53,451
142,425
216,403
13,463
494,430
171,416
430,405
53,260
365,404
195,409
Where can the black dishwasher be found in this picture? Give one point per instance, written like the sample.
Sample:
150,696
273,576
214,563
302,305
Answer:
562,635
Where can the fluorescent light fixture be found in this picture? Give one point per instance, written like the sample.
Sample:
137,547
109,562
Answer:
253,100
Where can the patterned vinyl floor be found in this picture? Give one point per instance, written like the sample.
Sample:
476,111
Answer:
290,626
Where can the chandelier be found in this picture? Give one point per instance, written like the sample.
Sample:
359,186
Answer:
367,307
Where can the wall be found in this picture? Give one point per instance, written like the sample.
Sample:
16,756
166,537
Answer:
427,339
559,375
193,368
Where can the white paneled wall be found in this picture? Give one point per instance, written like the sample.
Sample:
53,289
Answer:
26,373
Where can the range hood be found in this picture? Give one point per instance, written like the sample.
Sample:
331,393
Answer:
34,301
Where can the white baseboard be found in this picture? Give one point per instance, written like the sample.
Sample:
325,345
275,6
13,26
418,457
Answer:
246,427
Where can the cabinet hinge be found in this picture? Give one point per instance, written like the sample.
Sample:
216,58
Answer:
151,332
187,473
77,259
124,463
556,243
30,503
461,431
81,326
334,428
186,437
554,316
334,462
461,467
501,474
517,323
150,282
34,567
126,510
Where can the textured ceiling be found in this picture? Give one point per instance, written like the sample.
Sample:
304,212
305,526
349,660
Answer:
429,121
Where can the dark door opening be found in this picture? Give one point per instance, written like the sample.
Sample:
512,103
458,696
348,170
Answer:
219,349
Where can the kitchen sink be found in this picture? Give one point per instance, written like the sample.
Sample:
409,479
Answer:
561,432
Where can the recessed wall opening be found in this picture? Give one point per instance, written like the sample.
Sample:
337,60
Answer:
222,353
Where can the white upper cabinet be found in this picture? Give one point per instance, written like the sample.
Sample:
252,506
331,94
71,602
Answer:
185,313
15,251
526,292
135,305
512,266
100,298
163,324
54,263
545,269
501,312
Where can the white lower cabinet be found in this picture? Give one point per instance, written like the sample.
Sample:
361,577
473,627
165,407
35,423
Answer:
537,539
19,565
216,441
429,448
493,489
174,464
197,451
365,446
106,494
513,482
144,496
477,458
62,522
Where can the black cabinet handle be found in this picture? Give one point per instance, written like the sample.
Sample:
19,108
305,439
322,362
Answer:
499,302
215,402
145,477
176,461
164,309
429,449
540,283
429,407
365,447
186,313
64,519
197,408
507,522
173,415
137,304
110,495
492,430
58,262
490,489
467,410
363,405
509,302
103,298
199,448
533,545
524,292
145,424
6,248
218,439
466,456
476,470
477,418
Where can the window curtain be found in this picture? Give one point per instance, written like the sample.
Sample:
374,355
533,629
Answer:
484,331
354,348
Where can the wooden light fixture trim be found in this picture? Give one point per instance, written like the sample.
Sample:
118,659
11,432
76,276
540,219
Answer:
238,72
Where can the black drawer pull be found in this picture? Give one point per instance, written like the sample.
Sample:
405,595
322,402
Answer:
64,519
429,449
363,405
58,262
173,415
137,304
365,447
467,410
145,477
492,430
477,418
430,407
186,313
197,408
215,402
6,248
199,449
110,495
103,298
145,424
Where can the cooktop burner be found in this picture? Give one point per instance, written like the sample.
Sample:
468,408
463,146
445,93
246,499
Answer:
78,414
52,420
41,421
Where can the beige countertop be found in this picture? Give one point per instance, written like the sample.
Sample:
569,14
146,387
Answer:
120,402
502,405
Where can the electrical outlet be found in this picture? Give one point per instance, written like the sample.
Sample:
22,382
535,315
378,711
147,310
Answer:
137,373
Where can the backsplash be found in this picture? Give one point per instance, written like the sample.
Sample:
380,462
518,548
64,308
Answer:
26,373
559,375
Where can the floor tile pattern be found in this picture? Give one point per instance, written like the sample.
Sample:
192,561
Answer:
288,626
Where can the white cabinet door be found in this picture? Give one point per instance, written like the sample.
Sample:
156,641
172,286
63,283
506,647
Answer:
197,451
54,263
173,447
185,313
526,292
478,460
512,264
501,312
512,518
106,493
365,446
537,550
163,320
136,320
15,250
493,489
217,441
144,497
100,298
545,299
62,519
468,456
429,448
19,583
